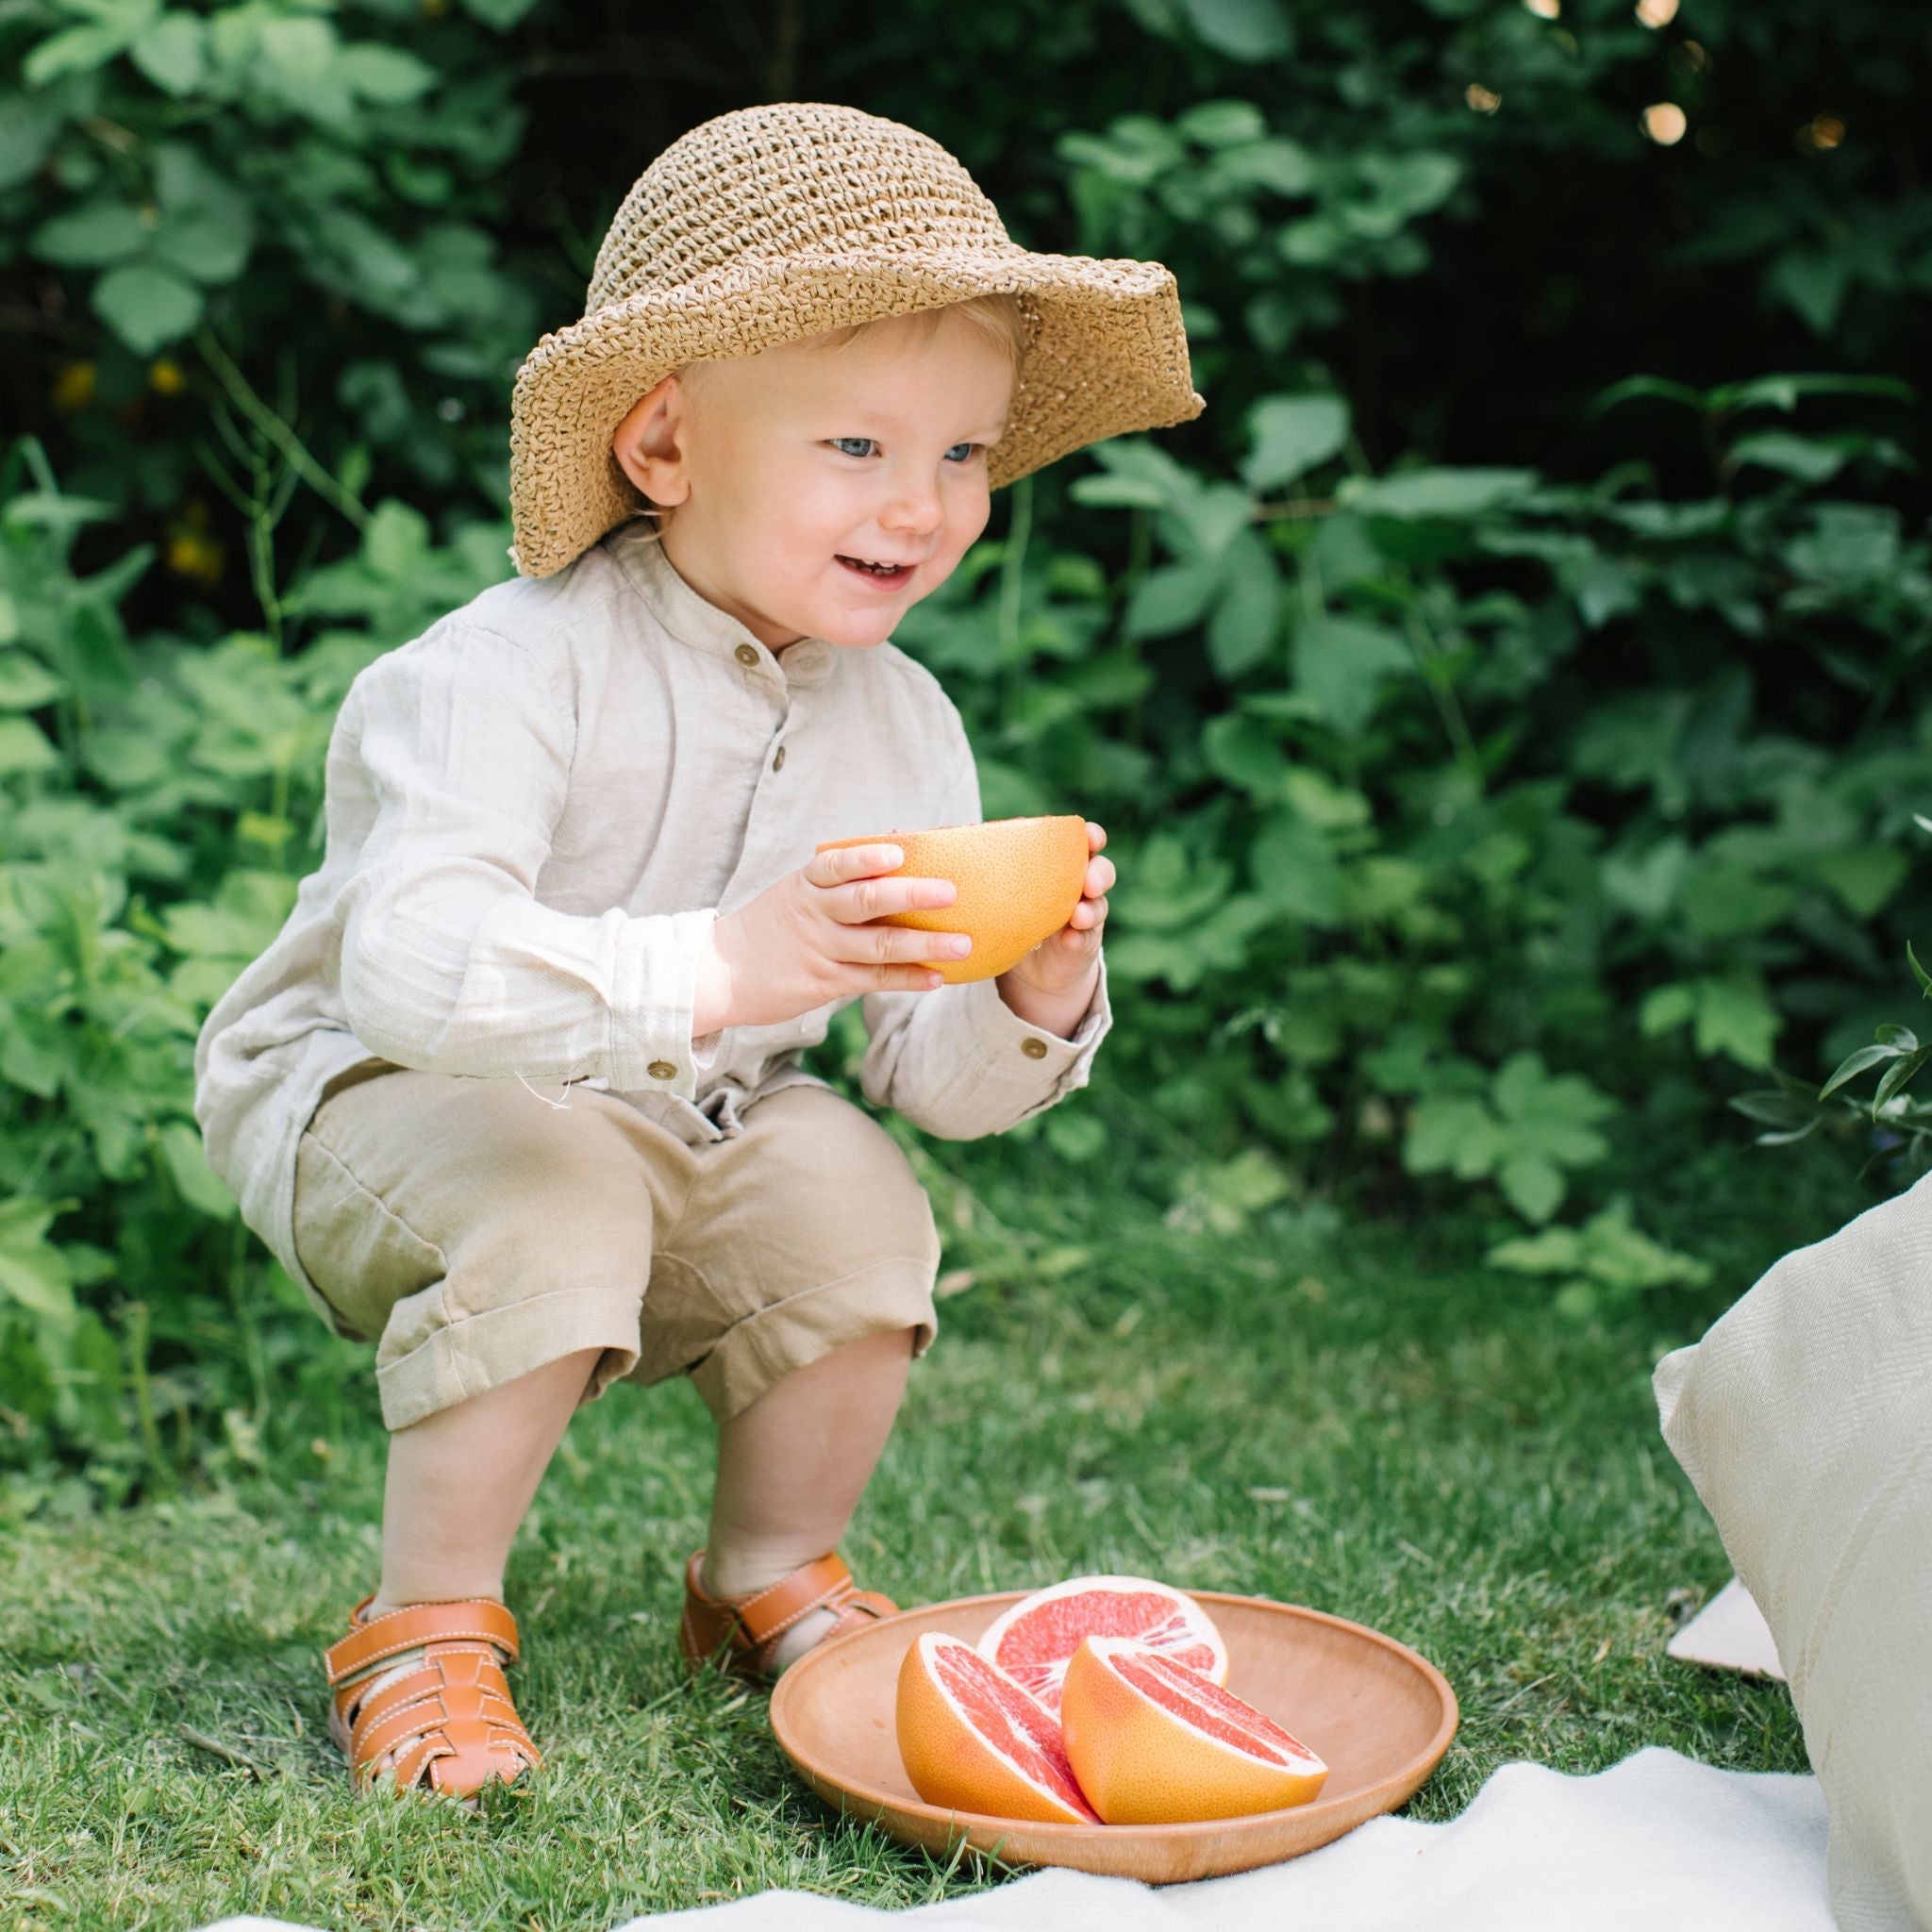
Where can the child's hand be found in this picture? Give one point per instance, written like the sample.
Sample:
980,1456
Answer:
1053,986
810,939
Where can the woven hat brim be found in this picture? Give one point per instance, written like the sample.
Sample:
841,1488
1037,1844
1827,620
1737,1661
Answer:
1109,357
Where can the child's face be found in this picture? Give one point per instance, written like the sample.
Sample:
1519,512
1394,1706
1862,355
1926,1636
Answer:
792,468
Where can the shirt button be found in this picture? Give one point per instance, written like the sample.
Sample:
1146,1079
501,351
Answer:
663,1070
778,760
747,654
1034,1049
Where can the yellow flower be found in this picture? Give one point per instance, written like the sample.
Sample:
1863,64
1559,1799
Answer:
165,378
74,388
192,555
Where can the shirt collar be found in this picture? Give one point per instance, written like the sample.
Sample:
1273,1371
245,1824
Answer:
695,620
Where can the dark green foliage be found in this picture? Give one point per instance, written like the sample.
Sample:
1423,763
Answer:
1507,702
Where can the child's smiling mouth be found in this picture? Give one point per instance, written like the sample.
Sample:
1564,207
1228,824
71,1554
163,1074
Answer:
888,575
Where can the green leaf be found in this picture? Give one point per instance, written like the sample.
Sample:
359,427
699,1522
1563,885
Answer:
1295,872
1854,1064
1813,283
1811,459
94,236
1290,435
1734,1017
147,305
1279,165
1452,1133
198,1183
1651,388
25,685
1245,752
1411,184
1243,29
173,53
1247,616
1435,493
1866,878
500,14
1786,392
1666,1007
1341,662
33,1272
1220,123
27,132
24,747
1897,1076
1532,1185
205,246
1554,1115
78,50
1170,599
384,74
302,48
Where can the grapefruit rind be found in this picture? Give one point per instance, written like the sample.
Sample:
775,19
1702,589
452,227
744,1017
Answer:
1152,1742
1019,881
1185,1631
972,1740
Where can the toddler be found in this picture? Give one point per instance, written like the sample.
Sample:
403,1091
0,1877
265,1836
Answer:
516,1092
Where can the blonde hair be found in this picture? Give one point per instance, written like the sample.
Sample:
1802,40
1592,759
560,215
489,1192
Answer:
1003,319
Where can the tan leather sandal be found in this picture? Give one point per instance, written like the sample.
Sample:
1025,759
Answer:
448,1723
739,1634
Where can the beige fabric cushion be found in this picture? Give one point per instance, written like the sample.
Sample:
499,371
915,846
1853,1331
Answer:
1805,1420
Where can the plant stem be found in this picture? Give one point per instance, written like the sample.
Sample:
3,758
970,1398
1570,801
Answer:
277,432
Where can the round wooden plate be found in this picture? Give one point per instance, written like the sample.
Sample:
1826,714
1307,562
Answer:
1380,1715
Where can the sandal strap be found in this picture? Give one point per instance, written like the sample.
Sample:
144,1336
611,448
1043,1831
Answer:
751,1624
472,1619
445,1719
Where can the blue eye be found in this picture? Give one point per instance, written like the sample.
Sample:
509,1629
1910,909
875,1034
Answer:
962,452
842,445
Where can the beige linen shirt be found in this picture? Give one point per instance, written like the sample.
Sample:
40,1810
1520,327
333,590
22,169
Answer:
534,813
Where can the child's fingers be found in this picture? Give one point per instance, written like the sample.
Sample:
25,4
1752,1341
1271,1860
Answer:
1096,836
865,899
853,862
1088,915
870,945
1099,879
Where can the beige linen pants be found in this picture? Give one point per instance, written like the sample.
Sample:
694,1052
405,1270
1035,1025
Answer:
475,1233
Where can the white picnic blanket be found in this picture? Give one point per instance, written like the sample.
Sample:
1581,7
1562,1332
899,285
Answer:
1657,1841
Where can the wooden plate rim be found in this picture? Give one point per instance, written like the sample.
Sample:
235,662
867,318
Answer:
1392,1787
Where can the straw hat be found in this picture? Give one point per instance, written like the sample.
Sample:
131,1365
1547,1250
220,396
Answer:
779,221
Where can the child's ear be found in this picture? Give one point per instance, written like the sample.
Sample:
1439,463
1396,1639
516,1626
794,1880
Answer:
649,443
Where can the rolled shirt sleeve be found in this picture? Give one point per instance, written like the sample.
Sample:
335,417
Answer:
960,1063
449,962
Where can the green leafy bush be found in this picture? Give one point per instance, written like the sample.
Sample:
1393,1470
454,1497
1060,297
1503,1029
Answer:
1495,745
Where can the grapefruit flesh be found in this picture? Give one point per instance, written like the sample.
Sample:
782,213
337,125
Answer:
1034,1642
972,1741
1018,881
1155,1742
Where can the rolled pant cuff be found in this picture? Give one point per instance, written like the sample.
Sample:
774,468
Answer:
481,1352
754,1353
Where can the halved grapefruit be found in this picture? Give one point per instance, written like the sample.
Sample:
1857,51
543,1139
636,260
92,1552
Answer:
1034,1640
974,1740
1154,1742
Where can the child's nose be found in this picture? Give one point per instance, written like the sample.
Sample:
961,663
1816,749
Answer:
914,507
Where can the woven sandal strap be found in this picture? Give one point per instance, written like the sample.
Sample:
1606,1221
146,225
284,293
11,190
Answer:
427,1681
430,1716
823,1582
395,1631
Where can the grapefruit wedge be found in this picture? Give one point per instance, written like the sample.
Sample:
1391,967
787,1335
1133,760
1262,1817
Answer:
1034,1642
1154,1742
972,1740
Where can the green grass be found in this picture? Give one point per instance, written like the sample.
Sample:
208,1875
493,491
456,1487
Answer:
1359,1421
